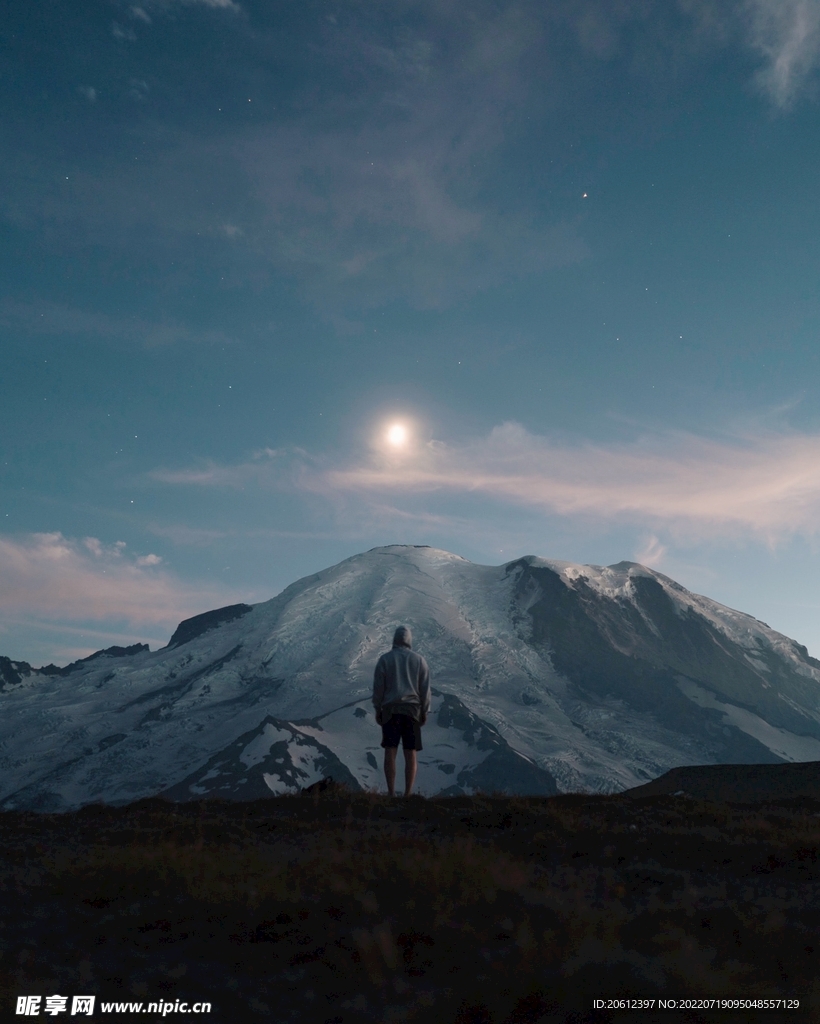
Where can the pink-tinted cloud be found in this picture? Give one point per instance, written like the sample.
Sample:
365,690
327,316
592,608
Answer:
46,576
766,485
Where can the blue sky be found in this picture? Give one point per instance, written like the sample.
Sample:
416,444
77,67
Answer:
571,248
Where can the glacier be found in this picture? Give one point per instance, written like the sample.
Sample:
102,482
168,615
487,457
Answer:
548,676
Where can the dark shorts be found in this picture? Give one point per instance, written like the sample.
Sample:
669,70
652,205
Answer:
404,728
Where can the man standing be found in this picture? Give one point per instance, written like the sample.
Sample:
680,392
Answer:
401,697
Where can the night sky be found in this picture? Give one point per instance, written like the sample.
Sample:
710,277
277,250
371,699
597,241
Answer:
570,248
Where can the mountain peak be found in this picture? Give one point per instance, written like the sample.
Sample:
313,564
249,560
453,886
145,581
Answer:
547,674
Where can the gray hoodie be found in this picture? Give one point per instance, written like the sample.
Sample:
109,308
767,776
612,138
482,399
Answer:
401,682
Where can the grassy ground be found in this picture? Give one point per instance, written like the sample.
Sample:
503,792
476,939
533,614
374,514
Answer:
351,908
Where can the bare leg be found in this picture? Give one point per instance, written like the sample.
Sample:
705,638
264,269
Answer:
390,769
410,765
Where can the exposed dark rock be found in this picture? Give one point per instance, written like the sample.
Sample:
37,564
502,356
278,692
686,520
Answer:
232,774
504,770
12,673
191,628
634,652
109,652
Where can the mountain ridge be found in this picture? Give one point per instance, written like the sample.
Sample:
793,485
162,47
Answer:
588,678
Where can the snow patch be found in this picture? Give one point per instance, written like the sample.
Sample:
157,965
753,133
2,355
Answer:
781,742
259,747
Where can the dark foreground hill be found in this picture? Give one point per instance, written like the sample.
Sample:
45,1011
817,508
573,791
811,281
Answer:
737,783
347,908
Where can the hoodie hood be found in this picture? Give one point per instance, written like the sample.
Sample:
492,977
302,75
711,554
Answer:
402,637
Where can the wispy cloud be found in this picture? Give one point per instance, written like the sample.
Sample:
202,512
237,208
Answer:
383,177
187,536
126,34
48,577
54,318
138,89
651,551
392,204
168,5
387,189
787,34
227,5
224,5
283,469
261,466
769,485
766,485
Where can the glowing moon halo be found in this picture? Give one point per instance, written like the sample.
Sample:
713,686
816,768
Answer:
397,435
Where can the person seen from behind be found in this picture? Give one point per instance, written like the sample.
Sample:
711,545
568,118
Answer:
401,697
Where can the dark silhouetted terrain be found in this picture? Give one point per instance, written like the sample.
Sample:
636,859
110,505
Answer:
739,783
348,907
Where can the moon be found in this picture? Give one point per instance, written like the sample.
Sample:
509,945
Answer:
397,435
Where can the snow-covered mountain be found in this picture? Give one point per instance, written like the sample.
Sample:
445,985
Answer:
547,677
